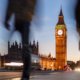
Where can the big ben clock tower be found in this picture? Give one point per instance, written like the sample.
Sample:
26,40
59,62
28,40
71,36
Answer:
61,43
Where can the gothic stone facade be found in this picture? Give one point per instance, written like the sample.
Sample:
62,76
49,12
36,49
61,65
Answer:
15,52
61,43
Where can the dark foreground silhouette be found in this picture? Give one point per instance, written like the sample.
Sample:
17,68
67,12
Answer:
77,15
23,10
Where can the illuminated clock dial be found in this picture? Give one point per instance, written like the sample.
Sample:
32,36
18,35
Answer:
60,32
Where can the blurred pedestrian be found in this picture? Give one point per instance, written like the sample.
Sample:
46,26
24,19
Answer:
23,11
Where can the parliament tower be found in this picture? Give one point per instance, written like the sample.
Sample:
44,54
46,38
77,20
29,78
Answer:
61,43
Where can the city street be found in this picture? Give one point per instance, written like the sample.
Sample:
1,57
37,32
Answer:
58,76
9,75
42,76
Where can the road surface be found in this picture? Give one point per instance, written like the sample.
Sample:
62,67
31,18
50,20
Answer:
43,76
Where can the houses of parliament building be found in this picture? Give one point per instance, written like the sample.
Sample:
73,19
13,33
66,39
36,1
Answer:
15,52
60,61
45,62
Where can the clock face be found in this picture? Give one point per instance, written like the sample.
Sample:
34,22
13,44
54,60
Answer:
60,32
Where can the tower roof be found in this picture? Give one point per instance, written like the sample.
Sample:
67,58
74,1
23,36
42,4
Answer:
61,18
61,13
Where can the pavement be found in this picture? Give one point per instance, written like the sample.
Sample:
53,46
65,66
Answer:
45,75
58,76
9,75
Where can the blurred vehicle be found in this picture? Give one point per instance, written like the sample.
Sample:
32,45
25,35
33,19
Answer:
77,69
67,68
